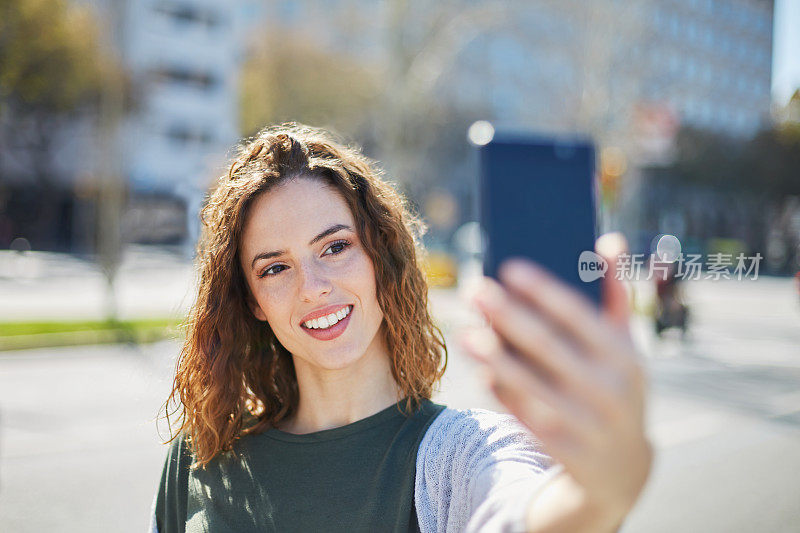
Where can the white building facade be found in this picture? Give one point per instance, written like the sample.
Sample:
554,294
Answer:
183,56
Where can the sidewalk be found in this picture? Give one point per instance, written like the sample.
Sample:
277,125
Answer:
151,283
157,283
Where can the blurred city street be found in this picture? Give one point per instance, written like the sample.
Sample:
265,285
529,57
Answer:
677,123
79,451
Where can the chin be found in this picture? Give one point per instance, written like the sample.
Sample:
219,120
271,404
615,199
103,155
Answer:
335,359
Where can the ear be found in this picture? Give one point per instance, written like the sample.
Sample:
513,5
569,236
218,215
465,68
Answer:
256,309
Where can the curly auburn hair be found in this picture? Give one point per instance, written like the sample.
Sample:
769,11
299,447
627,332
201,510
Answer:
233,376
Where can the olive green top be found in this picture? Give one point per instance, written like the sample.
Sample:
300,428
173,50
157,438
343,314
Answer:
358,477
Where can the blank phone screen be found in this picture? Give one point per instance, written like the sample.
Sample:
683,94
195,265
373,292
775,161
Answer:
538,201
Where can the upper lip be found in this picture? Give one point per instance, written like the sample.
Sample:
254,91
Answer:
323,311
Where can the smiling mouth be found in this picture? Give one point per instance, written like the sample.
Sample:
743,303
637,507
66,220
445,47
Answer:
328,321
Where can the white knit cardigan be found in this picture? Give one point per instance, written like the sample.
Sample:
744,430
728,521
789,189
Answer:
476,470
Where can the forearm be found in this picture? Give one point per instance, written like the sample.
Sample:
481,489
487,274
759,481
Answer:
561,506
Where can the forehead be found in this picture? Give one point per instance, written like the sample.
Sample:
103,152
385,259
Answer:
294,211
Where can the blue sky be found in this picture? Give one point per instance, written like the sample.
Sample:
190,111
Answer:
786,50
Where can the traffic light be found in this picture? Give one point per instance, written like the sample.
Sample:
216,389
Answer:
613,165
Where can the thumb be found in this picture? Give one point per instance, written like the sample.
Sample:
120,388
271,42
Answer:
616,304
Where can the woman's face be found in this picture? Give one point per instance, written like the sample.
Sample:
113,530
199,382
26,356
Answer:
303,261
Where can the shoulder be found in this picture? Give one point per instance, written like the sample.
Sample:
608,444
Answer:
179,456
169,505
177,451
471,433
465,455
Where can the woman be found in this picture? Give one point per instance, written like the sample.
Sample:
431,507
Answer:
305,380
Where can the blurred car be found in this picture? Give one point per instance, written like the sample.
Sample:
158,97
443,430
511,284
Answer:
441,269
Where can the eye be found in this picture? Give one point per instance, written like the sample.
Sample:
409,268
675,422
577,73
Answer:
337,247
271,271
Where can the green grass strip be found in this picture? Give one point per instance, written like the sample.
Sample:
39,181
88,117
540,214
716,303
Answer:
26,335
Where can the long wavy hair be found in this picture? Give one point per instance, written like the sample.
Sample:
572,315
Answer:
233,376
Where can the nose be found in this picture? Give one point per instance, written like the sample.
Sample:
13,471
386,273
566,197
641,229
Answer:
313,282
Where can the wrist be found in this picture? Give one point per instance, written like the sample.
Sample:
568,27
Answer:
563,506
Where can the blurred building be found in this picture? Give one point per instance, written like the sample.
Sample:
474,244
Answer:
709,61
163,147
707,64
182,59
536,63
630,73
622,69
183,56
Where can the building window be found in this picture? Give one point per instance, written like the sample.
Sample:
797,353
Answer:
708,75
691,69
675,26
708,38
725,44
188,14
691,32
674,63
184,76
762,24
183,134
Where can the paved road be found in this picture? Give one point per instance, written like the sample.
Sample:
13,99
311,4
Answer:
79,450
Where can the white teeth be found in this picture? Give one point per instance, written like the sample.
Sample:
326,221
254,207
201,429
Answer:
327,321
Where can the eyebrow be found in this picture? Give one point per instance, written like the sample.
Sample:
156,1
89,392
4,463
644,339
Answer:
330,231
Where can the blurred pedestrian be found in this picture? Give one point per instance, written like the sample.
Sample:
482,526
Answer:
303,387
671,307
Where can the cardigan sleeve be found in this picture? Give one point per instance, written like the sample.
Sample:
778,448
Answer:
477,470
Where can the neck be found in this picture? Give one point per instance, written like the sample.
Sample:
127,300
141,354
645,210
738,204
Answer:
335,398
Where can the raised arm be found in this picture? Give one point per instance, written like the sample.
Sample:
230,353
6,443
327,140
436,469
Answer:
571,374
476,471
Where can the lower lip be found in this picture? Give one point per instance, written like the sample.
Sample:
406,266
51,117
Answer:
331,332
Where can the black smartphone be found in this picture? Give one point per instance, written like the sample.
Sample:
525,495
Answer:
538,201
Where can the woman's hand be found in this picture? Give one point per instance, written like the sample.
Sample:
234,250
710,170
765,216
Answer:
570,373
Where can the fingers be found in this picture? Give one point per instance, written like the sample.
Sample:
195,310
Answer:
564,338
595,449
565,308
568,370
615,297
565,428
528,395
529,335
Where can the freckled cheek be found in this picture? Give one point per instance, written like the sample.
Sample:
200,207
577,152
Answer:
361,277
276,304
